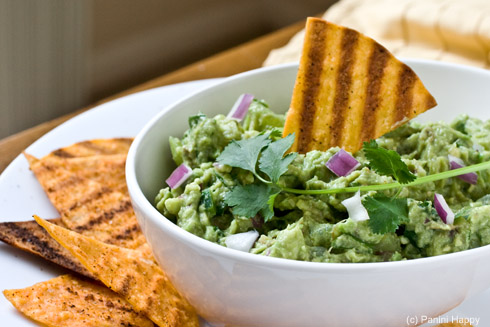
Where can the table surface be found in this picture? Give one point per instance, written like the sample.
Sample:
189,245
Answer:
244,57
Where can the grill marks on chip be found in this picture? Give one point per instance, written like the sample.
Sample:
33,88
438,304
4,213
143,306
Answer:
30,237
78,303
349,89
140,281
311,83
90,192
105,217
104,169
94,147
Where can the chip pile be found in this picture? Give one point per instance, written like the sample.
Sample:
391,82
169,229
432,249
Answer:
97,236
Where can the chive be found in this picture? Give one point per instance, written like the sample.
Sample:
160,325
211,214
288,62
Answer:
380,187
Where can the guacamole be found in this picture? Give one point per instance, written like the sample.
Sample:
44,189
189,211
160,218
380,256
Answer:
317,227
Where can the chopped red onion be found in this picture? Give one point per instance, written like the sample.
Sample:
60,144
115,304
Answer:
443,210
179,176
242,241
455,163
240,108
354,207
342,163
257,221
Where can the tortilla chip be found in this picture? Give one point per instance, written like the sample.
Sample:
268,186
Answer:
30,237
94,147
108,170
91,196
95,211
349,89
70,301
141,282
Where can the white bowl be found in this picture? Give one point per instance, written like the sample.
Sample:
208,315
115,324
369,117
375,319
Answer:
230,287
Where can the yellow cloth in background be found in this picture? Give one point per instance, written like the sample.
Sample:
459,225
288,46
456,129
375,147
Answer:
449,30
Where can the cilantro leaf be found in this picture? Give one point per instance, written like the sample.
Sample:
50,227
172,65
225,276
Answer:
385,214
244,153
207,200
248,200
275,132
268,212
463,213
194,120
387,162
272,161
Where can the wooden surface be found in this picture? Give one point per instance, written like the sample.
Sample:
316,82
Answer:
239,59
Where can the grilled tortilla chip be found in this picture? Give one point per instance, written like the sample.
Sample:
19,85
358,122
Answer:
94,210
69,301
91,196
30,237
94,147
141,282
104,169
349,89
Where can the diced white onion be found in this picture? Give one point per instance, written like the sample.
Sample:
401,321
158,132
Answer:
354,207
342,163
242,241
443,210
478,147
241,106
455,163
217,165
179,176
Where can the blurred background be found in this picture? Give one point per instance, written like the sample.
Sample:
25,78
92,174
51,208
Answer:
57,55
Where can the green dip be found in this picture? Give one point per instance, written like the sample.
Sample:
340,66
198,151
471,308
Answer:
316,227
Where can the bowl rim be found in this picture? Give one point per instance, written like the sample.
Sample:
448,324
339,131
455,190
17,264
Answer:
150,211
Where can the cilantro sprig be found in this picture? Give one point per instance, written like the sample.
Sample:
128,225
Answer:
244,153
265,159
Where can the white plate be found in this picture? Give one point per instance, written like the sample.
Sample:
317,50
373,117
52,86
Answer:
21,195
